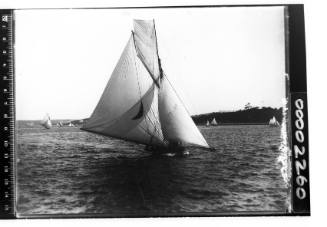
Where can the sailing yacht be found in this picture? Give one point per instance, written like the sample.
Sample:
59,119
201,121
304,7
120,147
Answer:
139,103
208,123
46,122
214,122
273,122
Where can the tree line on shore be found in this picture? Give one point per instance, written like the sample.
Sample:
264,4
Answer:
248,115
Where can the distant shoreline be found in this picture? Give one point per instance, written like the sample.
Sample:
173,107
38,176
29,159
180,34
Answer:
248,116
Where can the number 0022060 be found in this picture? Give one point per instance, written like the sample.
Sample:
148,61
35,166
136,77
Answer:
299,151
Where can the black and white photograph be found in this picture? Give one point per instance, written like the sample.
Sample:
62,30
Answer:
152,112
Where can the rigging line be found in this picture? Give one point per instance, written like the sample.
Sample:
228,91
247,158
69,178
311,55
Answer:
157,126
154,28
137,77
147,69
176,94
155,33
157,48
156,129
152,122
155,117
149,133
145,66
138,84
125,61
156,122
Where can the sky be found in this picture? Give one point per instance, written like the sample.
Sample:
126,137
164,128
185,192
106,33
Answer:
218,59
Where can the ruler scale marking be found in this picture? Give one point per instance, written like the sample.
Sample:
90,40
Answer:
7,116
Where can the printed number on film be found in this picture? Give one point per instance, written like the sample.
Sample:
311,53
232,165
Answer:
299,151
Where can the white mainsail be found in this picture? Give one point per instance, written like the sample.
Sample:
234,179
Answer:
214,122
46,122
138,103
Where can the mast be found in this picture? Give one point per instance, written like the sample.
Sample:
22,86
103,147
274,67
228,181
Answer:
159,60
181,127
139,104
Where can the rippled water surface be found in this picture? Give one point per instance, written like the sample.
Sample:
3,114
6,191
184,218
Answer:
68,171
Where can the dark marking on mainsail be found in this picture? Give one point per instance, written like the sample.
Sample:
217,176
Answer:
140,113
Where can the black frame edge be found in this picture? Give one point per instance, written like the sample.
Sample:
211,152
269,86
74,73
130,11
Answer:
298,89
300,191
7,173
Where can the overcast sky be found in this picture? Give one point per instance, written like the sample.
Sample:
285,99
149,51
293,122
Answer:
217,59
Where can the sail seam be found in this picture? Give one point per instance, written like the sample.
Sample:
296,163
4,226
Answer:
149,110
138,84
152,76
156,125
146,131
137,78
146,67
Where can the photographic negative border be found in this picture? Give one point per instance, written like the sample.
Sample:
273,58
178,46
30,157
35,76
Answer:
297,116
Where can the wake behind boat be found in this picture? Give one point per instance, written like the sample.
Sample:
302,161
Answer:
139,104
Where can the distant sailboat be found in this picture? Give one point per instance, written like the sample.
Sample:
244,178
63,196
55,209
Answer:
208,123
214,122
139,103
273,122
46,122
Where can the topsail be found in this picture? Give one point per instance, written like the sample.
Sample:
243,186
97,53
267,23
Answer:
139,104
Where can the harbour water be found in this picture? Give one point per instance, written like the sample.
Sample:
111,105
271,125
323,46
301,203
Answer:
69,171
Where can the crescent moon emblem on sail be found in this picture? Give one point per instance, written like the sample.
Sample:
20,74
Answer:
140,113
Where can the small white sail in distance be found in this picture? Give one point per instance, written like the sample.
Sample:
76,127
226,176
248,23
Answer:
273,121
214,122
46,122
208,123
139,104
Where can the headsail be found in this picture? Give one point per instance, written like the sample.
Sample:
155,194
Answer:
176,123
138,103
127,107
